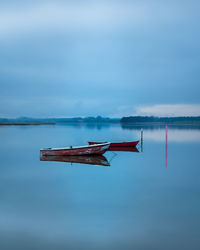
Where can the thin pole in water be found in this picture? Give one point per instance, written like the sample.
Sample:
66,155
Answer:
141,140
166,129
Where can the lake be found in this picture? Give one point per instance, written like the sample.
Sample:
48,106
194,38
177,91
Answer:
143,200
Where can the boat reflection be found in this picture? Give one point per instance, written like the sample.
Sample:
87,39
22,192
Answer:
126,149
84,159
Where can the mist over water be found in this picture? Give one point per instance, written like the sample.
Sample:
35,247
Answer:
136,203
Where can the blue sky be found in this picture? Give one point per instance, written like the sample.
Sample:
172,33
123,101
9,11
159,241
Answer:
109,58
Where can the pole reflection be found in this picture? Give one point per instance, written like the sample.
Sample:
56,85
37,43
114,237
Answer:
166,129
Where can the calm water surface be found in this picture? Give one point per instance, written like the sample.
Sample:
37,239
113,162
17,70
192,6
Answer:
136,203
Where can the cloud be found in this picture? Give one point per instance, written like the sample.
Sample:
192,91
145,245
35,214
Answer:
96,15
48,106
169,110
123,53
69,16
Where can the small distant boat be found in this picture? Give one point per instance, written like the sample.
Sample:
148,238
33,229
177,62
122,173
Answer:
118,144
78,150
84,159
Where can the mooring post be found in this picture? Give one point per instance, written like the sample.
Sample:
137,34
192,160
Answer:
141,140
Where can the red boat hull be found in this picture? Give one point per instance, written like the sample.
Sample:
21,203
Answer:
125,149
119,144
86,150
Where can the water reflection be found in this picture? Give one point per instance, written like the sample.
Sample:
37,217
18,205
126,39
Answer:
90,207
175,135
84,159
157,134
159,126
166,130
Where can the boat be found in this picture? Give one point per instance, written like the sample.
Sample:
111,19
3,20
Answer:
118,144
98,149
84,159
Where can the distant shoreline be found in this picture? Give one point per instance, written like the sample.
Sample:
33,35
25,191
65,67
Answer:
182,120
124,121
124,124
161,123
26,123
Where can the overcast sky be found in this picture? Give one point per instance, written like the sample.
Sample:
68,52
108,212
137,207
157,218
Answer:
99,57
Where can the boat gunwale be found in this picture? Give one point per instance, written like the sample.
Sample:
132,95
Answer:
118,142
77,147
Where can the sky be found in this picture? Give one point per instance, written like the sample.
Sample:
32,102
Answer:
111,58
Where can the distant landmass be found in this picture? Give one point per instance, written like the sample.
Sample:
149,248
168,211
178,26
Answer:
41,121
153,119
101,120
